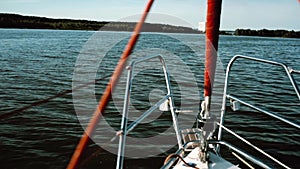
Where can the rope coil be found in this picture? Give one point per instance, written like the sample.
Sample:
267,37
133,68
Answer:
173,155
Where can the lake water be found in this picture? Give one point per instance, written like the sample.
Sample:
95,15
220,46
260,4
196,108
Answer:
38,64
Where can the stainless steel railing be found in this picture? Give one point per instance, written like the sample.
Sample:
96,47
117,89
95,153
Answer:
226,96
125,129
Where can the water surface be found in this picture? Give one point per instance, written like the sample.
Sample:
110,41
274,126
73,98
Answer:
37,64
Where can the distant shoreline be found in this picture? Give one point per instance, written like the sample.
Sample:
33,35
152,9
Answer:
267,33
34,22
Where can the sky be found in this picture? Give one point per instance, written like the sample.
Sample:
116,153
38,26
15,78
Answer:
252,14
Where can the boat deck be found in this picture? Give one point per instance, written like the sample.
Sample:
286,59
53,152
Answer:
215,162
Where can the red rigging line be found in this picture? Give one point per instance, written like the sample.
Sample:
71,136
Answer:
212,38
108,91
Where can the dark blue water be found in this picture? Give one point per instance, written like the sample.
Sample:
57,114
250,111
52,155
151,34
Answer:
37,64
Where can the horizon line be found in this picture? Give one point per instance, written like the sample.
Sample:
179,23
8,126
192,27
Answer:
110,21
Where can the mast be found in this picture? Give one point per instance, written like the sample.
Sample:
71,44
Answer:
212,38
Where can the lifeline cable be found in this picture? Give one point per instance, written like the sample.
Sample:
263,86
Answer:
253,146
108,91
242,160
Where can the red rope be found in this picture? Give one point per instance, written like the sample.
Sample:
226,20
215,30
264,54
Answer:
109,89
212,38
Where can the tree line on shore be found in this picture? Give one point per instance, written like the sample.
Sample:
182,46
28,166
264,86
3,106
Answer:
33,22
267,33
